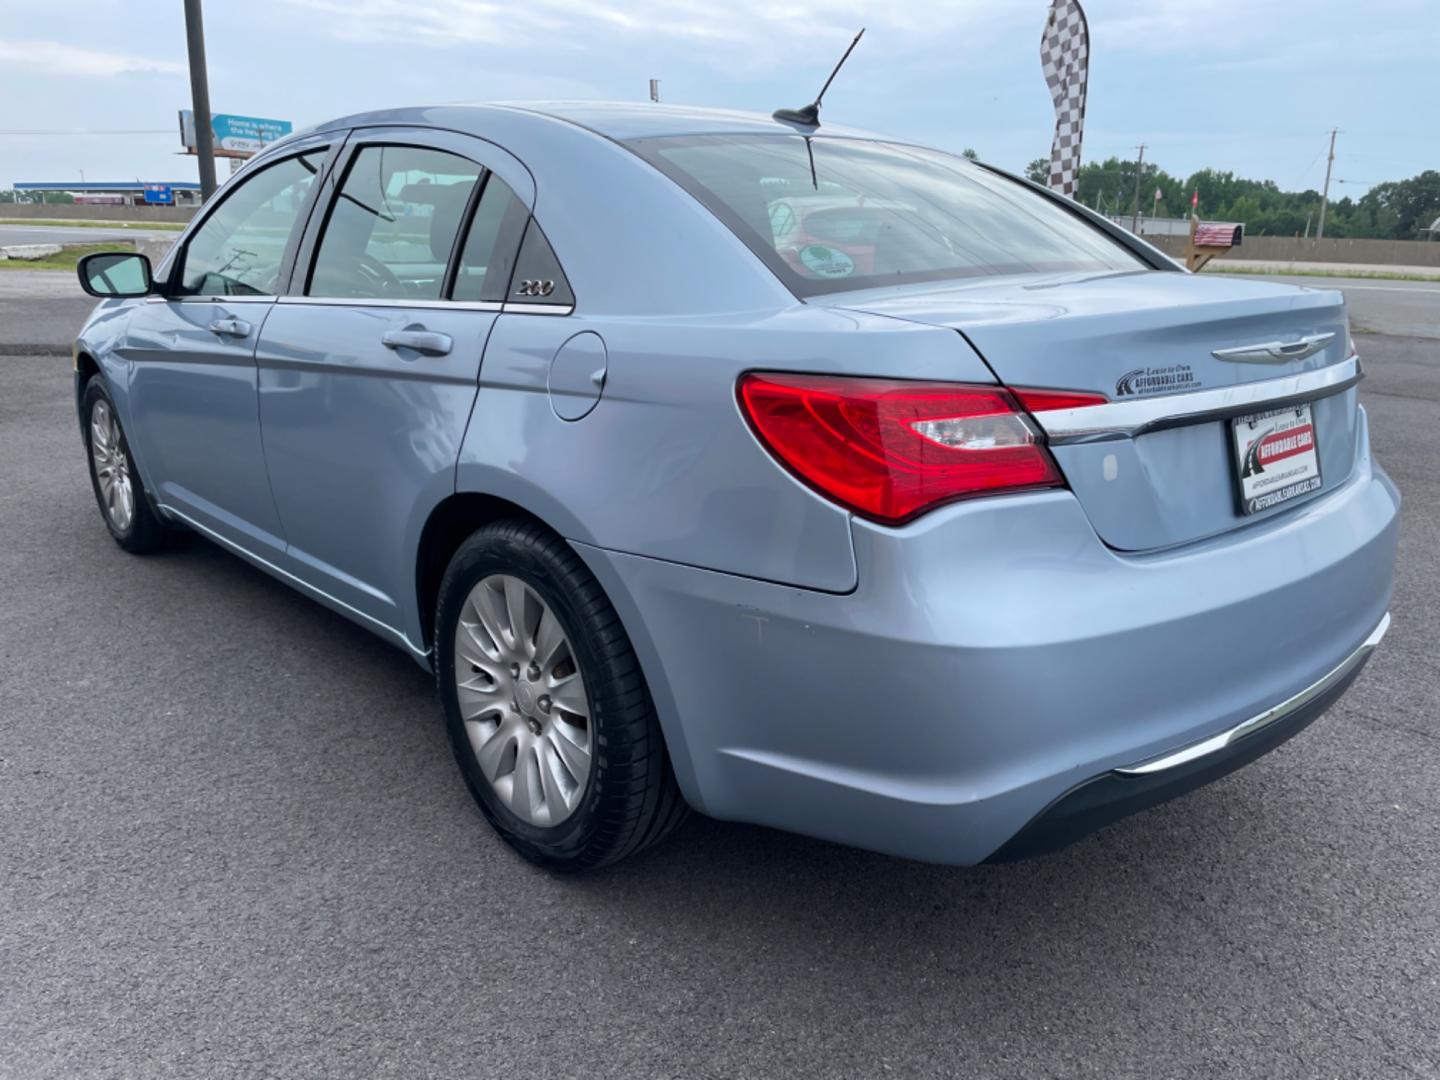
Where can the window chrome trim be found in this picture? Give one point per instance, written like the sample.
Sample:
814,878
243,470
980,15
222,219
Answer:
360,301
1127,419
1269,716
245,298
512,308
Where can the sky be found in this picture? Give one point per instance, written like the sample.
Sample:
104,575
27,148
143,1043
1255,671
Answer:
1251,86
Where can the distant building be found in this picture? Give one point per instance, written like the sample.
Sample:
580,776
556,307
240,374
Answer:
122,193
1154,226
1433,230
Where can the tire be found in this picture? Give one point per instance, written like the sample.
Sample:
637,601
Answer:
119,492
629,798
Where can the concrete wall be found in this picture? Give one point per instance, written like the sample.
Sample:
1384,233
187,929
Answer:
82,212
1288,249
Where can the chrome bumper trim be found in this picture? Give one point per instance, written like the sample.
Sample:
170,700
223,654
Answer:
1126,419
1269,716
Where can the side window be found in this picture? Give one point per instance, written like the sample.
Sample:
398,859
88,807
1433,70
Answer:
393,224
488,256
538,278
239,249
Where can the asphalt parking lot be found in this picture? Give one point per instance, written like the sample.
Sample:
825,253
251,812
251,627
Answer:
232,843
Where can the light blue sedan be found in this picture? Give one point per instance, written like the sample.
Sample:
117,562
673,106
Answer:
790,473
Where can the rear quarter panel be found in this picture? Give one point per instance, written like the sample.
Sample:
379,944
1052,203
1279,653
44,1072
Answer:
666,465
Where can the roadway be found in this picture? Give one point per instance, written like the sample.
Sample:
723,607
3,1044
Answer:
233,843
1403,308
69,234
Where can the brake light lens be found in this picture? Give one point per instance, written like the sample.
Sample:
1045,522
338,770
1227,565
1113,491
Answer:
891,450
1049,400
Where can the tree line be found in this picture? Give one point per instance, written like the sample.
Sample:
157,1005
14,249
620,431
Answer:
1398,210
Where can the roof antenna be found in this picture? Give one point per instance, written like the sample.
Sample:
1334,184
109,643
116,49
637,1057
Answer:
809,115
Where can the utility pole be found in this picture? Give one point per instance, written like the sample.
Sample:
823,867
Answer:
1139,174
654,89
1325,196
200,97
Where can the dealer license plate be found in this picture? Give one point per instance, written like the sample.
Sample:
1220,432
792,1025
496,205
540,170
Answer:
1276,457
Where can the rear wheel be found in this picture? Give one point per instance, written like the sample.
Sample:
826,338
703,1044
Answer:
547,710
116,482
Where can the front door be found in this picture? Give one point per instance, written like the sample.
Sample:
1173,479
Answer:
192,384
368,370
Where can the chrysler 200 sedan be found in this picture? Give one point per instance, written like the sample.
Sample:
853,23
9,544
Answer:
798,475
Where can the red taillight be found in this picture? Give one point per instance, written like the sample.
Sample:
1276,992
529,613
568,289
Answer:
890,450
1050,400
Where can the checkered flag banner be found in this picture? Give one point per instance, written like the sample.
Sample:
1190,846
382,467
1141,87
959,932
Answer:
1065,57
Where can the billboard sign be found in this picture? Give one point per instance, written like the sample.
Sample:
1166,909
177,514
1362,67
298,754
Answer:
235,136
159,195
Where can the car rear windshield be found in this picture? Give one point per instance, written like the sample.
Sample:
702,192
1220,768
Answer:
831,214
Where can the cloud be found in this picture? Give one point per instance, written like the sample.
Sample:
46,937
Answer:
54,58
1256,31
739,31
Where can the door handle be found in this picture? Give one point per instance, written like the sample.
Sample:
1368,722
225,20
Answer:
426,342
231,327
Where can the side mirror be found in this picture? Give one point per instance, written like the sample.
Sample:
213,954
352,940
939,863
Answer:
109,274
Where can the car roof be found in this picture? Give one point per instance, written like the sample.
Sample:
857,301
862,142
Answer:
646,119
619,120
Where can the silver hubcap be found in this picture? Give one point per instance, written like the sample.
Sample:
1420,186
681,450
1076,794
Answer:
112,471
522,699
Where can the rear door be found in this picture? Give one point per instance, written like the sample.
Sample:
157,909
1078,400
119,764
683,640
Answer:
193,385
369,366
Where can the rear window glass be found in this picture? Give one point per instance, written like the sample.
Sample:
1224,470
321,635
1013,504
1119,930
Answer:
833,214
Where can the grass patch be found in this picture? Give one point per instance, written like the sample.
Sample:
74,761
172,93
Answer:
69,255
74,223
1275,269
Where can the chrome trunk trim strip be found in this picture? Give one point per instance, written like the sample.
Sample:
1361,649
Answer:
1269,716
1129,418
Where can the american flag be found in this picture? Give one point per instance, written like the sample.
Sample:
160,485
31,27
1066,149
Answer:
1065,58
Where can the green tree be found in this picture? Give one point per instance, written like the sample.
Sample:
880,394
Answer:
1406,206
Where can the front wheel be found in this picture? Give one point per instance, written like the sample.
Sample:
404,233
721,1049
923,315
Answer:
547,711
113,476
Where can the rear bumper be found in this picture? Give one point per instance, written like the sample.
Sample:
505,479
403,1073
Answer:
1128,790
995,658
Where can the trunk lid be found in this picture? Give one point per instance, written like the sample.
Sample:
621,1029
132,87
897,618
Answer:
1152,337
